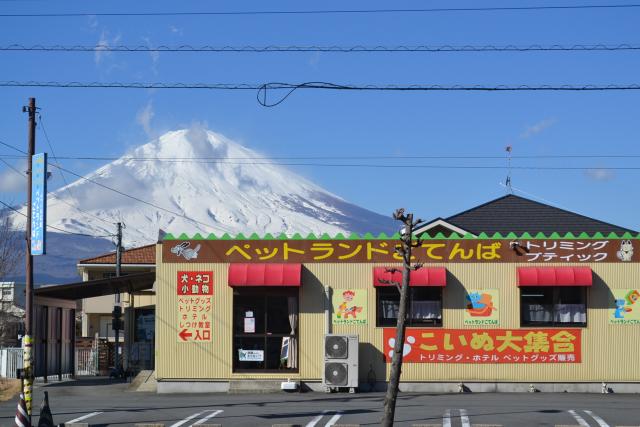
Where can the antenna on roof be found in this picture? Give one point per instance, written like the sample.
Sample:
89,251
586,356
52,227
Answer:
508,149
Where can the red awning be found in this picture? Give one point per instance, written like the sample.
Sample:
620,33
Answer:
433,276
554,276
265,274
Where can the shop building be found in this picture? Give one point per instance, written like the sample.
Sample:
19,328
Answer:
553,305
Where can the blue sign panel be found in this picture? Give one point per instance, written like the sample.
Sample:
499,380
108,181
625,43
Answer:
38,204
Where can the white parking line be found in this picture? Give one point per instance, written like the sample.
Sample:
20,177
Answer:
464,419
333,419
186,420
446,419
315,421
207,418
578,418
84,417
599,420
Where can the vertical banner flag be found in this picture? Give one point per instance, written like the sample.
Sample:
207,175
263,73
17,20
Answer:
38,203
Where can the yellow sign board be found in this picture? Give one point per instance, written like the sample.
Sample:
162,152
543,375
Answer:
349,306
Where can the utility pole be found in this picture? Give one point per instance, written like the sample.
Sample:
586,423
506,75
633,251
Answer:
28,324
117,309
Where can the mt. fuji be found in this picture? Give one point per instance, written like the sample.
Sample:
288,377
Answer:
200,181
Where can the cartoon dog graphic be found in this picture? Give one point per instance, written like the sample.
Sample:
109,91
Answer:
626,251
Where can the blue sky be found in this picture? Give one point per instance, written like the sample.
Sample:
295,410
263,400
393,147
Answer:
98,122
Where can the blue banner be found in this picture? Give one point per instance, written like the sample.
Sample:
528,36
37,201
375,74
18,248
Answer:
39,204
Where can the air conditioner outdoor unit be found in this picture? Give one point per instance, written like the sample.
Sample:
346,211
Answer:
340,362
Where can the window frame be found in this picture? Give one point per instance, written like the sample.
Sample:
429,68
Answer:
555,300
410,322
263,292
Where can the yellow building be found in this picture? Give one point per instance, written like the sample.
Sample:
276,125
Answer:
499,312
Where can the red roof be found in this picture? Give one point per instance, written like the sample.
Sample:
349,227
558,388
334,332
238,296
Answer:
555,276
141,255
265,274
424,276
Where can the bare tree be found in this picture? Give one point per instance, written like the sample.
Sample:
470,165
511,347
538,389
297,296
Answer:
11,247
11,252
406,245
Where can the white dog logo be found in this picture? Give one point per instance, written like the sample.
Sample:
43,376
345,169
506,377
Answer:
626,250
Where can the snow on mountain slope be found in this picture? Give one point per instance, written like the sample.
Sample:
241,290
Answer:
244,192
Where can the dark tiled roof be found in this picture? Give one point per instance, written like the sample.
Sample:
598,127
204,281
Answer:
141,255
516,214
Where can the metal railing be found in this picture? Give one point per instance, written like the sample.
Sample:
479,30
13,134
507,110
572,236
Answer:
86,361
10,361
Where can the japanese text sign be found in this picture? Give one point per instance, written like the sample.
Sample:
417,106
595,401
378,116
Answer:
481,307
349,306
38,203
195,300
626,307
373,251
195,283
424,345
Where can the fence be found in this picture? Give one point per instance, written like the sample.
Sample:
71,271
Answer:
86,361
10,361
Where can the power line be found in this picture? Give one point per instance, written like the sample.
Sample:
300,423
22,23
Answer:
55,228
13,148
325,12
225,159
325,49
319,85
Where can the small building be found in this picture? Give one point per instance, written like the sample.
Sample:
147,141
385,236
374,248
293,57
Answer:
138,307
553,305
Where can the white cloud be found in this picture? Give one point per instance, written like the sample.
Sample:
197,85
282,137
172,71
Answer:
175,30
155,56
314,60
101,51
144,117
600,174
92,21
11,182
537,128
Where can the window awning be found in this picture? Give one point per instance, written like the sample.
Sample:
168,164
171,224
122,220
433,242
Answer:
265,274
555,276
100,287
425,276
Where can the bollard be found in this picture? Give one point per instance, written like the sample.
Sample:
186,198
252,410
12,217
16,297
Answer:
532,388
460,387
605,388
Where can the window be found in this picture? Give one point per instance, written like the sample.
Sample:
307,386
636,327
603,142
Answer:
424,306
265,329
553,306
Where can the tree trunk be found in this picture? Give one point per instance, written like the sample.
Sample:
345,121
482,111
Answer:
396,360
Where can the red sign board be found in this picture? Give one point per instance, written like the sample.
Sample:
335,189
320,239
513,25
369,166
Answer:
195,298
429,345
195,282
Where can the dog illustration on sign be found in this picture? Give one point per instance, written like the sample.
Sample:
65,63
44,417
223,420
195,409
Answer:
480,305
183,250
344,310
626,251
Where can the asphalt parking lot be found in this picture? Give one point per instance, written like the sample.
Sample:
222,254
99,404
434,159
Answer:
101,403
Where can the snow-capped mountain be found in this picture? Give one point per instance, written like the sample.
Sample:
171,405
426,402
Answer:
230,189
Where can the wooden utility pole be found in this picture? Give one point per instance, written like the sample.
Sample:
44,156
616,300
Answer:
28,320
117,309
404,250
